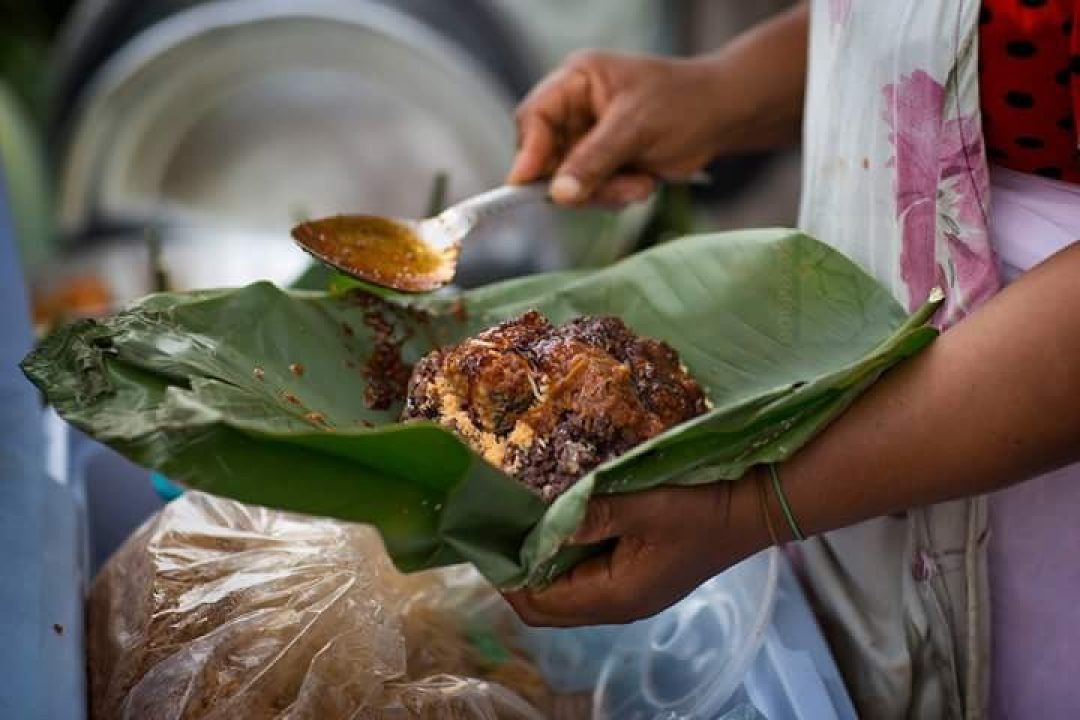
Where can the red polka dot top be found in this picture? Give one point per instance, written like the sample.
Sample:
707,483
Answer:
1029,82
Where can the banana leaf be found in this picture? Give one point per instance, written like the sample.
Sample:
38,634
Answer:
782,331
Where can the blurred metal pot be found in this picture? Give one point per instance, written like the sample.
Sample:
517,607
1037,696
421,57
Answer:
98,28
237,118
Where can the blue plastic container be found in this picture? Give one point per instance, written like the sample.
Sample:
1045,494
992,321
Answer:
43,575
743,645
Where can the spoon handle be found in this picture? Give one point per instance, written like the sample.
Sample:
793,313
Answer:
493,202
467,214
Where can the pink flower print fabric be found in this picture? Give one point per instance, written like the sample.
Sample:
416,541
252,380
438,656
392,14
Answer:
941,192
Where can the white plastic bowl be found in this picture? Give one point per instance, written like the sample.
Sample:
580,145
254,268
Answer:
687,662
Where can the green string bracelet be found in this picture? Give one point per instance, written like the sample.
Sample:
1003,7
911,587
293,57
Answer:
788,515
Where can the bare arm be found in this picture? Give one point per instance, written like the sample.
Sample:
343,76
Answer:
605,125
761,77
996,400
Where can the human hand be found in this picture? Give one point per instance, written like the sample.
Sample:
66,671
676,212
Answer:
669,541
607,125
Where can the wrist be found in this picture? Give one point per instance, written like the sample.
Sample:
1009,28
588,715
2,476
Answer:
726,111
748,524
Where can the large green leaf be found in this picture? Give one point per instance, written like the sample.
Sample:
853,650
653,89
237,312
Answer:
782,331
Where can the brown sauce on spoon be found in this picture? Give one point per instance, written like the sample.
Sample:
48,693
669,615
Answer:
373,248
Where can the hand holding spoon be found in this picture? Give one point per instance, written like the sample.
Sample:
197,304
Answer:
407,255
412,256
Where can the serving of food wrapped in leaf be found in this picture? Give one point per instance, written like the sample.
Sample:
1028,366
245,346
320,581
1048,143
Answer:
684,364
547,404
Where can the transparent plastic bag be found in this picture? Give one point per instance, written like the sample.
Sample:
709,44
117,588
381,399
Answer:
215,609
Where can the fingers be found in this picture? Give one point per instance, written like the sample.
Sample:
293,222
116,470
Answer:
610,145
537,609
576,597
606,517
666,545
551,118
620,515
570,125
598,591
598,523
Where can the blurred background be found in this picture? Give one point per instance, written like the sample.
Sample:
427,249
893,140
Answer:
173,143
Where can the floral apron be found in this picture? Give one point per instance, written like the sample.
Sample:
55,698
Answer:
895,177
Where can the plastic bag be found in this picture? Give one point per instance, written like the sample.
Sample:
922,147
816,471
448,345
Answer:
215,609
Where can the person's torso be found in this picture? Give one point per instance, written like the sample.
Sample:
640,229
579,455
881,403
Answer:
896,177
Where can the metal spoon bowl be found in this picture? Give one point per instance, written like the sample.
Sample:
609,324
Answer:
407,255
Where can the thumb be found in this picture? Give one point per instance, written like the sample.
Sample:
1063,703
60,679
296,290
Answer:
610,145
606,517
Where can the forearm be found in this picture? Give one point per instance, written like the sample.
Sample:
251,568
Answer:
756,84
994,401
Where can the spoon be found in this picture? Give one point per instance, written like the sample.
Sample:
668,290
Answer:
407,255
412,256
